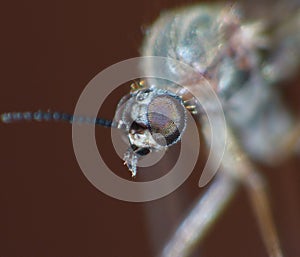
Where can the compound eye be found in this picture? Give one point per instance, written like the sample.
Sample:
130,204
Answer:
167,119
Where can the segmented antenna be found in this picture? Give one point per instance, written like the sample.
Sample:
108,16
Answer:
53,116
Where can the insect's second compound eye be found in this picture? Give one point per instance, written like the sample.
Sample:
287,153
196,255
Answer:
166,117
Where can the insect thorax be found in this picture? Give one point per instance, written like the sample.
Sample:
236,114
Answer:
227,52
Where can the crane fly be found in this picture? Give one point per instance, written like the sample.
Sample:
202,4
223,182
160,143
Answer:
243,61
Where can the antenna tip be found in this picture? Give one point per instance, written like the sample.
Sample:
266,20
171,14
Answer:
6,117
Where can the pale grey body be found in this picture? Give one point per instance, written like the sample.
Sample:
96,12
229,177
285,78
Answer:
228,52
243,64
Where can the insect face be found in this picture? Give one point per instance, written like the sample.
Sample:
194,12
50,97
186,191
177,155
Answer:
153,120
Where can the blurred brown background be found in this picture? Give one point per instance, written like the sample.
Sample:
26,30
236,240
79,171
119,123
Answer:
49,51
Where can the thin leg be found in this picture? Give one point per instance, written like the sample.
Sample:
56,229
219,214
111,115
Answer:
238,165
207,209
261,206
235,168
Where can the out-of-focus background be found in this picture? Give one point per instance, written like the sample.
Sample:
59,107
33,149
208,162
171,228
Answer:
49,51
